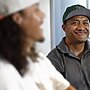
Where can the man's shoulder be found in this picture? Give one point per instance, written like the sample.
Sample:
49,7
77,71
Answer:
55,55
57,48
52,52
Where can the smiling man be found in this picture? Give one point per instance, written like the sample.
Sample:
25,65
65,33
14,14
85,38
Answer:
72,56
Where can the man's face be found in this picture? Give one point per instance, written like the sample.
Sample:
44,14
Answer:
77,29
32,19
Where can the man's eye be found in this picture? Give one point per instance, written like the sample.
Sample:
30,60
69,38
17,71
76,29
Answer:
74,23
86,23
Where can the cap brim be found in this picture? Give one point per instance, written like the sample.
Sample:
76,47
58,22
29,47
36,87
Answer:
81,12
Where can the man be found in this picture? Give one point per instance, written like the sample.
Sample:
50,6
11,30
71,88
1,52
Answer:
21,67
72,56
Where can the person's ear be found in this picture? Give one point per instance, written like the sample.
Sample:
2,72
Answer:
17,18
64,27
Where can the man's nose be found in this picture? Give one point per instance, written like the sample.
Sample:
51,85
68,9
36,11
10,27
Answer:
81,26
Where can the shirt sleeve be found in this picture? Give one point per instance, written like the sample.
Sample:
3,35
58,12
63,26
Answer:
9,79
59,82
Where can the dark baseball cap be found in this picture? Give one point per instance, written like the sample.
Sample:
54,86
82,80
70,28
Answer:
76,10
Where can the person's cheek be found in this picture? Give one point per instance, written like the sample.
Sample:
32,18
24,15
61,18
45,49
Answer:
36,17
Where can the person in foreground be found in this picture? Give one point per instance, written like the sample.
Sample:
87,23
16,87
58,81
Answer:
71,56
21,66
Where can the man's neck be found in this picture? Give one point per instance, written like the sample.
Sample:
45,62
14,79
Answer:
76,48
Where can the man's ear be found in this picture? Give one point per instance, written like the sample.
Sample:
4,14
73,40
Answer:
63,27
17,18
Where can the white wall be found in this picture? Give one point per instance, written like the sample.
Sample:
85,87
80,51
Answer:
45,47
88,4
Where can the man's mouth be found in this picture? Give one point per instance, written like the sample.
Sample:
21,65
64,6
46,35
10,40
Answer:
80,33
